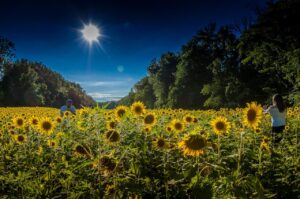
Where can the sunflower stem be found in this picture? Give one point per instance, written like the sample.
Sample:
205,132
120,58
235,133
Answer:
240,152
219,149
259,162
165,157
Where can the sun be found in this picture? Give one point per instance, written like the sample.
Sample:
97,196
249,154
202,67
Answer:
90,33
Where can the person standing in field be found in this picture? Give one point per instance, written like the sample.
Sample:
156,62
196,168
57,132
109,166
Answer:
278,117
68,107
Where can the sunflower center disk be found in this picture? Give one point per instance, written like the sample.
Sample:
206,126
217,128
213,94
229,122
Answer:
195,143
251,115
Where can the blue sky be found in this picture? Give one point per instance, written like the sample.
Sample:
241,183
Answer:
134,32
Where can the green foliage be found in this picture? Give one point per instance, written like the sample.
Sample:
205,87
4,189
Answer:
162,77
27,83
216,68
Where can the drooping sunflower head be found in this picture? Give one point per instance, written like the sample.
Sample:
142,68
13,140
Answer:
111,124
264,146
177,125
19,121
193,144
120,111
252,115
112,136
46,125
220,125
82,150
150,119
195,120
110,190
160,143
266,139
107,162
138,108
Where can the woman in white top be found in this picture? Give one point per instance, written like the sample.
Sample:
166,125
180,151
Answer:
278,115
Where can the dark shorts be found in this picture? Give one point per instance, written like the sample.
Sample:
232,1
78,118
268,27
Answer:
277,133
277,129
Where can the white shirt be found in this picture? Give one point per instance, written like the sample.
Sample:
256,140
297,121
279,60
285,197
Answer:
64,108
277,117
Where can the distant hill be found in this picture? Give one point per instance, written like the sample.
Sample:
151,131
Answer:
108,104
27,83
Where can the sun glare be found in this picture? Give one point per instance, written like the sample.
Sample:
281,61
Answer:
90,33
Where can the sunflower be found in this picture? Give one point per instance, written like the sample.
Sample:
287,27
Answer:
46,125
177,125
150,119
195,120
33,121
192,144
252,115
258,130
220,125
188,118
264,146
12,132
58,119
160,143
81,150
67,114
20,139
112,136
147,129
107,163
169,128
111,124
120,111
51,143
138,108
19,122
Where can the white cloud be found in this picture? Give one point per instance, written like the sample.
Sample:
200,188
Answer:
101,83
98,96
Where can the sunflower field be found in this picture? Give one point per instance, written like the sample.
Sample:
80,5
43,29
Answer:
133,152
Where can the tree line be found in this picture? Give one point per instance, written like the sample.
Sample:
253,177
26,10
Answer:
230,65
28,83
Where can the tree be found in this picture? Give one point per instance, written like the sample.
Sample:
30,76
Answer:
6,53
27,83
271,46
162,77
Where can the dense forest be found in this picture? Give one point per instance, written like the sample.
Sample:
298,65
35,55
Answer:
27,83
229,65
